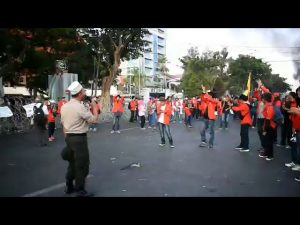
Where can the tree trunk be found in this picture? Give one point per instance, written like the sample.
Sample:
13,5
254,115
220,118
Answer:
105,100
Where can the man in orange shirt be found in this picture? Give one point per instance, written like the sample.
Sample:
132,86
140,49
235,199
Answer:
208,107
164,113
133,107
118,109
246,122
268,127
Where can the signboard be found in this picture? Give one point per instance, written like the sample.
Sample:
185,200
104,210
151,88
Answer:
5,112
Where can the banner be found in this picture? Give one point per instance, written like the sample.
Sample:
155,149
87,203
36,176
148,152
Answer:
5,112
29,109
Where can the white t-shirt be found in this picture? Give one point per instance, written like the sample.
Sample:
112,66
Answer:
162,115
142,109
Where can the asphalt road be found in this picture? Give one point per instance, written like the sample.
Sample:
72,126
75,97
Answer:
187,170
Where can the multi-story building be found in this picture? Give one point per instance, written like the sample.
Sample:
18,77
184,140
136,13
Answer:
148,63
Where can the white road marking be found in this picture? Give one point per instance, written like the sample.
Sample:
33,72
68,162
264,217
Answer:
49,189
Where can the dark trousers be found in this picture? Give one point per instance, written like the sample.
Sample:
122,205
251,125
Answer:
143,119
244,136
275,136
136,115
79,161
269,142
41,134
116,125
51,129
131,116
165,129
260,123
254,117
286,132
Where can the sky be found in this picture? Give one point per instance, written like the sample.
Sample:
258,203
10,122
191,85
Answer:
275,46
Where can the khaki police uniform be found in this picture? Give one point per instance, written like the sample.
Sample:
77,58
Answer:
76,118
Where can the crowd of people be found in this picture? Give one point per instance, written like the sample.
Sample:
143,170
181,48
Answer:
263,110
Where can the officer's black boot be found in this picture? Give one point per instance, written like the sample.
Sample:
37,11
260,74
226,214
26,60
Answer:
69,187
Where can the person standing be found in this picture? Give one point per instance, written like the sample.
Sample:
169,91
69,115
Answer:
40,121
132,107
188,115
254,104
246,122
208,108
93,126
142,112
164,113
61,102
118,109
51,122
225,112
75,119
269,127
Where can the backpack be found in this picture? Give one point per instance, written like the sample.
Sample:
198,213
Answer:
278,118
39,116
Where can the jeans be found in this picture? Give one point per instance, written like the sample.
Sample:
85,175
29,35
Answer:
51,129
131,116
188,120
254,117
165,129
269,142
244,136
286,132
260,123
116,122
224,121
208,124
298,147
142,121
153,119
177,116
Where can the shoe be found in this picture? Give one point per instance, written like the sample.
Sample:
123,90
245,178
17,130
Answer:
252,127
203,144
269,158
287,147
244,150
262,155
141,128
172,146
50,139
118,132
95,129
290,165
238,148
220,128
161,145
84,193
190,127
149,127
210,146
69,190
90,129
297,179
296,168
112,132
53,138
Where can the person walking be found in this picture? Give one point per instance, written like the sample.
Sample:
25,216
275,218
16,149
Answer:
142,112
40,121
118,109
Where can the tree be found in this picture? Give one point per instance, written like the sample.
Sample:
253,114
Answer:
32,52
163,69
114,45
239,71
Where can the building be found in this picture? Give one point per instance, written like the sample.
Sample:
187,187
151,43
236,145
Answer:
148,63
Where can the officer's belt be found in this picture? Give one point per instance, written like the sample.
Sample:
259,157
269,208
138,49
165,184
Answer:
72,134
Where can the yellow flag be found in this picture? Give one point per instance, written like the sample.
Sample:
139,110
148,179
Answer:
247,92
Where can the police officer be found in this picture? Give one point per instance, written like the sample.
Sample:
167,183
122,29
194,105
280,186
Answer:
76,118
